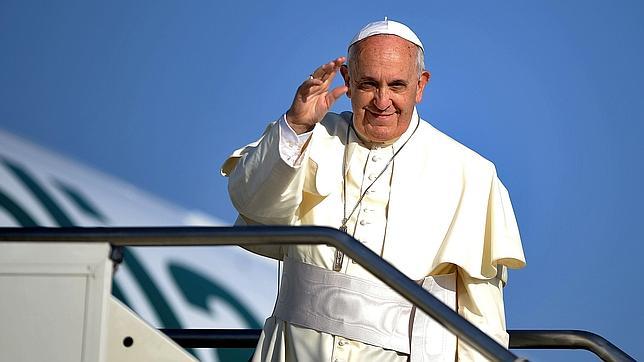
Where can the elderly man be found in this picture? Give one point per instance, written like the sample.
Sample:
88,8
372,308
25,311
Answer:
427,204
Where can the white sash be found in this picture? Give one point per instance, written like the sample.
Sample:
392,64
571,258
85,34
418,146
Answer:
365,311
431,342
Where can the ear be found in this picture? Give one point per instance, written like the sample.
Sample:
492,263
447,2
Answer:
422,82
344,70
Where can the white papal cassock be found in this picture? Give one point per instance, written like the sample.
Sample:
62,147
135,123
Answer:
439,208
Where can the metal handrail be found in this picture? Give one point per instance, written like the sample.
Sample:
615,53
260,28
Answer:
519,339
256,235
567,339
281,235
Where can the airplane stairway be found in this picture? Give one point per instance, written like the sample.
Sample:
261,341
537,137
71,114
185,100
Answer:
97,240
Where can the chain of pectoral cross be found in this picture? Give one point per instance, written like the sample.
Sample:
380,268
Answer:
339,255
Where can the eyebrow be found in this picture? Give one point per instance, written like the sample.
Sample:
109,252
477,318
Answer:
371,79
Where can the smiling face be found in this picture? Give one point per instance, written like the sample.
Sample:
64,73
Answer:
384,86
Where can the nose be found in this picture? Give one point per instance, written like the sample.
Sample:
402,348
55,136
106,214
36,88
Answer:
381,99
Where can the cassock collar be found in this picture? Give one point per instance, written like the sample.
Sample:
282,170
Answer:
397,143
354,140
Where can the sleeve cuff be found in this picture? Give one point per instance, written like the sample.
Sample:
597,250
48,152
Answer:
290,144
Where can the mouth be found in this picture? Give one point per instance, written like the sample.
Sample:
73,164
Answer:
380,116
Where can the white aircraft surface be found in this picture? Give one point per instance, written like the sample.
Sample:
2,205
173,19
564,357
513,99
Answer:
170,287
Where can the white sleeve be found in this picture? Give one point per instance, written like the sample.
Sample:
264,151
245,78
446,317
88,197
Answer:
262,185
481,303
290,144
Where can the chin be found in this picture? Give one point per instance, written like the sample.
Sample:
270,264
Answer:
379,136
376,131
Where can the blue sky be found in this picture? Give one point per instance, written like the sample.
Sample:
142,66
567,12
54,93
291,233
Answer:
159,92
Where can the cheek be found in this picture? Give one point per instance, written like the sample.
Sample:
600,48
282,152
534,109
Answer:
358,100
409,100
402,102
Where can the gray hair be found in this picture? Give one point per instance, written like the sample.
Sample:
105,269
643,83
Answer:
420,58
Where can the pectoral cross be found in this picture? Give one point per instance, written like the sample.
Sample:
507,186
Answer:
339,255
337,264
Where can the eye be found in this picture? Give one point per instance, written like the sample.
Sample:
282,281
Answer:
398,86
367,85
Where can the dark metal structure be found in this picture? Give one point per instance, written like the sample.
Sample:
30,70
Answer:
519,339
567,339
287,235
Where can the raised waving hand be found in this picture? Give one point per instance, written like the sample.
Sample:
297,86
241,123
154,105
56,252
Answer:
313,98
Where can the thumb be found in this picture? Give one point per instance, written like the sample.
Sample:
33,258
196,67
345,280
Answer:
336,93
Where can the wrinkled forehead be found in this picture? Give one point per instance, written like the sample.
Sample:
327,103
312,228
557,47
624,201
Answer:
383,48
384,43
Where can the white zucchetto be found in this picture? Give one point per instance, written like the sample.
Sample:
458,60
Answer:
387,27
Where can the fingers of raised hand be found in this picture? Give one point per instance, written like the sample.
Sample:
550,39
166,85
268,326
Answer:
337,93
326,71
319,82
310,87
